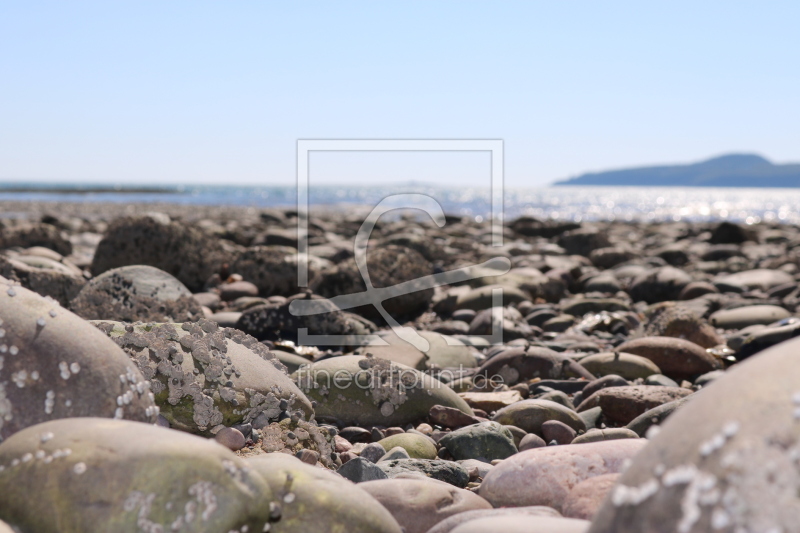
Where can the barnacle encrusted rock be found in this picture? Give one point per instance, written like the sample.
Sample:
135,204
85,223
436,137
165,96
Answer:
308,498
273,269
203,375
43,275
728,462
388,266
292,435
183,251
136,293
88,474
365,391
274,322
53,364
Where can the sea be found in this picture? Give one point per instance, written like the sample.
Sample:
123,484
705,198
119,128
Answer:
574,203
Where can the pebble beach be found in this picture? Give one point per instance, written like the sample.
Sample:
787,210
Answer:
631,376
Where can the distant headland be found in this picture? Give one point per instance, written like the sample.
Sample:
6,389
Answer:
733,170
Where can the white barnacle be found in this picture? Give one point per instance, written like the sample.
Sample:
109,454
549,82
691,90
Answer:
79,468
11,292
41,322
27,457
13,350
118,413
40,454
53,313
288,497
35,375
64,368
2,333
74,368
45,437
680,475
731,429
652,431
720,519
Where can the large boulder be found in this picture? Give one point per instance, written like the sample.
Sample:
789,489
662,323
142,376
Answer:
388,266
726,463
279,322
356,390
136,293
315,499
99,475
545,476
204,376
54,364
181,250
273,269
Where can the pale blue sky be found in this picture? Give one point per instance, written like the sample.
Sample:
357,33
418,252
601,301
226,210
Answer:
219,92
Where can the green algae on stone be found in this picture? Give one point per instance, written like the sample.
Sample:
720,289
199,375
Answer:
307,498
84,475
204,376
417,446
365,391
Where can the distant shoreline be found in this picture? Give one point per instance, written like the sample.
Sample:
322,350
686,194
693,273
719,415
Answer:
87,190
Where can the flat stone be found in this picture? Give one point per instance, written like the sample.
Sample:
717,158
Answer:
447,471
597,435
750,315
677,358
491,401
529,415
619,363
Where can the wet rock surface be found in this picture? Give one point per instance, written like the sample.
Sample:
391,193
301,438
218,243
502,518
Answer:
604,333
